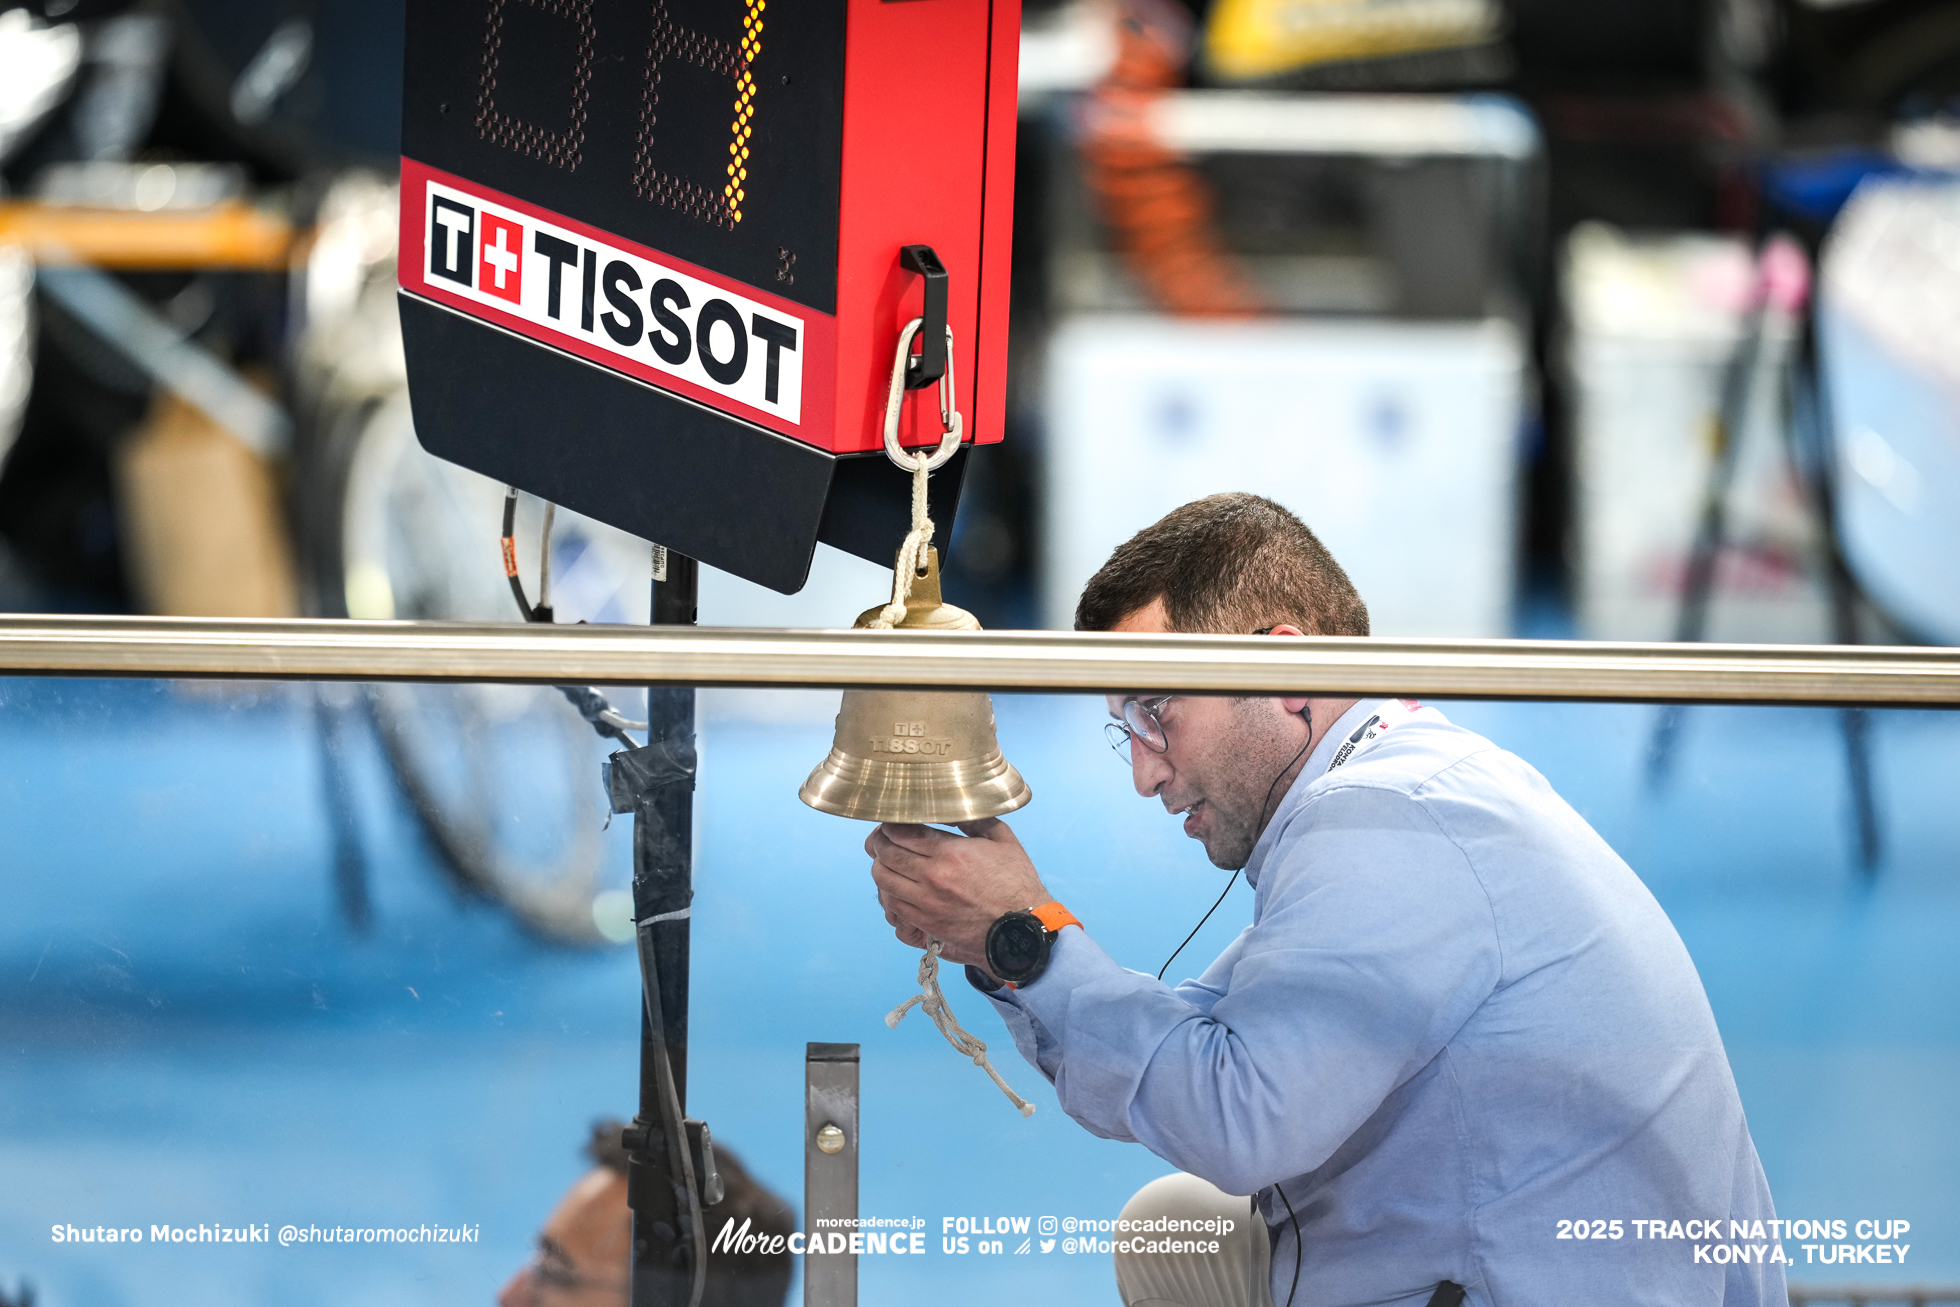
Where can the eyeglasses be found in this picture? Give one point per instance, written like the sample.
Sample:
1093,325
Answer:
1140,722
552,1268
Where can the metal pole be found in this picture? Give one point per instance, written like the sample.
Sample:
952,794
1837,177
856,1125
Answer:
830,1173
667,1239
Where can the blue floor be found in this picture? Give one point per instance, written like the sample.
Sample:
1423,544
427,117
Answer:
189,1031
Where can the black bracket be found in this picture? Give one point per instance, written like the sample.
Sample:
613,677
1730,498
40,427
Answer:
648,1139
929,364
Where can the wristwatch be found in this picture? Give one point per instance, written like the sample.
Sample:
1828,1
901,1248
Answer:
1018,942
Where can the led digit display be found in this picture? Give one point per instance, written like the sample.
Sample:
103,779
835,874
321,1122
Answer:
707,129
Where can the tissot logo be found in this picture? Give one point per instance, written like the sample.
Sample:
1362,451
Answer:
562,286
452,239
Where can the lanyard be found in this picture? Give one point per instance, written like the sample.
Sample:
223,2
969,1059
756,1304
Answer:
1393,713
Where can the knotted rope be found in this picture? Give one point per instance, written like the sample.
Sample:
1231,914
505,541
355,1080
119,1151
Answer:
911,554
933,1002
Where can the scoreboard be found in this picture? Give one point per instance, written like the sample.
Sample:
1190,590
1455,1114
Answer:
651,261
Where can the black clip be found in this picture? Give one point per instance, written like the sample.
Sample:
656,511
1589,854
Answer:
929,364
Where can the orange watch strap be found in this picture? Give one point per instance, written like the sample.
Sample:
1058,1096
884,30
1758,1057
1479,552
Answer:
1054,916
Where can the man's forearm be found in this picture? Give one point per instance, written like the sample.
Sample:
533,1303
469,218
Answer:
1247,1094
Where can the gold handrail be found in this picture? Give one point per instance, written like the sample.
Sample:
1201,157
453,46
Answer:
991,660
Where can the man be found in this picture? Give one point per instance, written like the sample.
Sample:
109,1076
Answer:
1458,1022
585,1247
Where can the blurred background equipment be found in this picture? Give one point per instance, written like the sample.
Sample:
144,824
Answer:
1612,169
1377,380
1396,441
1890,338
202,531
37,63
1377,43
1662,334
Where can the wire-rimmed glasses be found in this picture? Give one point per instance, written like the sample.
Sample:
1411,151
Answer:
552,1268
1140,722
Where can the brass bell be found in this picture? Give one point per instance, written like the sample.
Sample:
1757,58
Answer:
912,755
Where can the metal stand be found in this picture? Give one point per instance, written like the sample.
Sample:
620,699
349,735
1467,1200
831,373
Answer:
830,1173
1853,720
668,1174
350,873
1816,462
1691,622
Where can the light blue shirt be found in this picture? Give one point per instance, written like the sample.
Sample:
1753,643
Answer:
1457,1020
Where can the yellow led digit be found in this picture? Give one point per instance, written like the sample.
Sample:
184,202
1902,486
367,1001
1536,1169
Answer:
733,60
733,194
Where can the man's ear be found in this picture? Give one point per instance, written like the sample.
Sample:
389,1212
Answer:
1294,707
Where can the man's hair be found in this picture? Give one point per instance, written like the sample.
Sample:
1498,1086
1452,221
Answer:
607,1146
1229,565
752,1279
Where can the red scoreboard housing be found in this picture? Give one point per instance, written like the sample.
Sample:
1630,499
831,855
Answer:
650,255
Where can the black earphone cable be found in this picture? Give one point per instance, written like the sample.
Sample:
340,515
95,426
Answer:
1297,1250
1200,926
1307,715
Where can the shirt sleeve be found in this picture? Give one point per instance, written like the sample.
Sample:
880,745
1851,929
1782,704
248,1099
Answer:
1030,1040
1204,992
1373,945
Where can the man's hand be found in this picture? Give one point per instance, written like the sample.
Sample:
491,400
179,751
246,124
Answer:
951,887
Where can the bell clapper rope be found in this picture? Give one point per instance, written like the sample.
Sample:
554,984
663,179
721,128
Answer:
911,558
933,1003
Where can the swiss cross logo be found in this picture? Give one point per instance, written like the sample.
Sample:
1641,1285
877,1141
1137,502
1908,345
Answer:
500,259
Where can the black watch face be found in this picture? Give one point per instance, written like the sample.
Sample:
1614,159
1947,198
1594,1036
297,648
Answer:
1014,945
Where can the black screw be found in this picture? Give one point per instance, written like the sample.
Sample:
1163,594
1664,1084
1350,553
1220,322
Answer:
785,79
443,107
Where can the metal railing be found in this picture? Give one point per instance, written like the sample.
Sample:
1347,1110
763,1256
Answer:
993,660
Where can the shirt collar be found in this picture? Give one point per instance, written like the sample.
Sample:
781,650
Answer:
1317,763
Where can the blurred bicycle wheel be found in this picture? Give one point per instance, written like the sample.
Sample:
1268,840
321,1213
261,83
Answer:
505,780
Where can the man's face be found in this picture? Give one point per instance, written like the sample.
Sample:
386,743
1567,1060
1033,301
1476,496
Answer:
1223,758
583,1249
